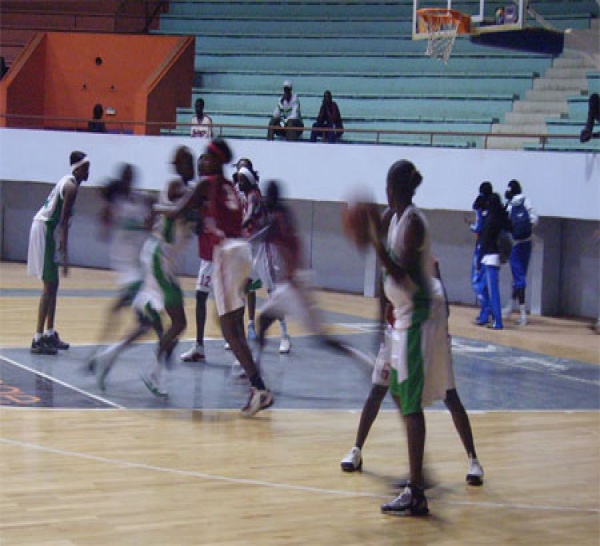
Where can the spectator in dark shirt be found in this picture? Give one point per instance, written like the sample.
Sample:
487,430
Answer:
329,118
97,125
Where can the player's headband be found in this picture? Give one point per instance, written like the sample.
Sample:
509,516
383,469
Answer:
81,162
245,171
213,148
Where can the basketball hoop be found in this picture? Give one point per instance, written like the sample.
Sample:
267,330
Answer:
441,27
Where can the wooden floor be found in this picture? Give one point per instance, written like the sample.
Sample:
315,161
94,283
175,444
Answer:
100,477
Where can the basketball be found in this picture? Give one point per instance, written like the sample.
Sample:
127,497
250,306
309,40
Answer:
355,222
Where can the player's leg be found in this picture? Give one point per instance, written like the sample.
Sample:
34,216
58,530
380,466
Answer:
203,287
463,427
407,389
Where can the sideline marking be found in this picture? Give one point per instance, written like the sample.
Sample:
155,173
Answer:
277,485
62,383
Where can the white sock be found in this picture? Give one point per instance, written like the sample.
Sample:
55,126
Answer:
37,337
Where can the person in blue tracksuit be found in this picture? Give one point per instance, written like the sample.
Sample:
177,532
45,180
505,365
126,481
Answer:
523,218
477,272
494,221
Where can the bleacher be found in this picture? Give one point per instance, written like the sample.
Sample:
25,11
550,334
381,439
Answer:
364,53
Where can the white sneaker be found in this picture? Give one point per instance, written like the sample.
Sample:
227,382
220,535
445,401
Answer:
237,372
195,354
475,473
507,311
258,400
155,385
352,461
251,332
521,321
285,345
227,347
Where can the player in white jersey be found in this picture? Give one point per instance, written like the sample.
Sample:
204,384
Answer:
403,248
52,222
437,349
161,290
126,219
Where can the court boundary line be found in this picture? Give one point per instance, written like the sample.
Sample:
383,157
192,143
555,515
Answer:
274,485
61,383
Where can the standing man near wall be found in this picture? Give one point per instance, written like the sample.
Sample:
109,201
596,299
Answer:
522,219
55,213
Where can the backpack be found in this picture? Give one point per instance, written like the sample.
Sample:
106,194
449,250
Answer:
505,244
521,223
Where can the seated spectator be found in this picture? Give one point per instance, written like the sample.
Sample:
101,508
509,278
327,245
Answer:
329,118
287,119
97,125
592,117
201,123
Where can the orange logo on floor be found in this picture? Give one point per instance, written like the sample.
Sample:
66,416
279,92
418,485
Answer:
10,395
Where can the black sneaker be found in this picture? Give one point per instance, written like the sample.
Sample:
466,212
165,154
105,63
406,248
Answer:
411,502
43,347
57,342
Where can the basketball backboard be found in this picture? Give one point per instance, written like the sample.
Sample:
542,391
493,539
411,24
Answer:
493,16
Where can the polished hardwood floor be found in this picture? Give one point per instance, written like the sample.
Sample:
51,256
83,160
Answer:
210,477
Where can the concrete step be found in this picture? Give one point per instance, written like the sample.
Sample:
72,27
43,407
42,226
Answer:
510,143
556,72
572,85
520,129
577,61
524,118
548,108
549,95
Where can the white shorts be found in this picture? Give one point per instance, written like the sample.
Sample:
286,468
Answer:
383,362
204,281
436,348
41,262
263,265
161,286
232,261
295,300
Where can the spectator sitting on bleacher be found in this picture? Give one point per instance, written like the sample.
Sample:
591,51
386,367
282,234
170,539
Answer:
201,123
329,118
592,117
287,119
96,125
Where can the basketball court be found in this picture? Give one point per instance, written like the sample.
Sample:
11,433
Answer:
86,466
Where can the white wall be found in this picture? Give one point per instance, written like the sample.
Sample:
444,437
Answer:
561,185
563,278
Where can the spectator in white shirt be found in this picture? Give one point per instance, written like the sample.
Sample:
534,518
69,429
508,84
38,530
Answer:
287,119
201,123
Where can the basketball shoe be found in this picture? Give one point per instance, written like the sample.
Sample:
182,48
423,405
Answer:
352,461
258,400
411,502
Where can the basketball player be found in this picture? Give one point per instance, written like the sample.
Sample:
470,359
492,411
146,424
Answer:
232,261
55,213
161,290
127,218
293,293
206,243
403,249
264,255
436,344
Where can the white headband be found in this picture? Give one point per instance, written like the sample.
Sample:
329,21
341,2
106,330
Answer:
81,162
248,174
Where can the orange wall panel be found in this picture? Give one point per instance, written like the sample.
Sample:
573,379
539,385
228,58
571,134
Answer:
142,77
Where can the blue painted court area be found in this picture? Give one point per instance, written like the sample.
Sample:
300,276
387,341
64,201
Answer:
489,377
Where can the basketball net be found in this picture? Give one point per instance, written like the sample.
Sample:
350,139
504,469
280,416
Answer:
441,29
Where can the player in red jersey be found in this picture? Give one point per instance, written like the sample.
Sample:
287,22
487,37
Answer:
222,213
